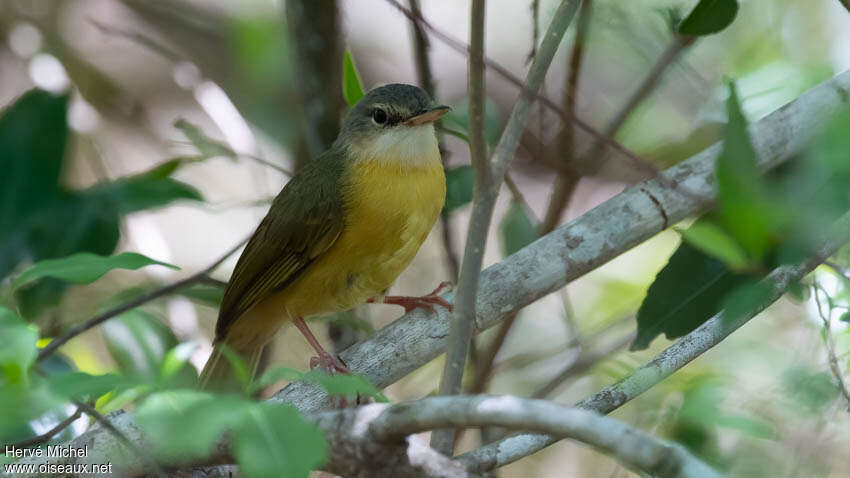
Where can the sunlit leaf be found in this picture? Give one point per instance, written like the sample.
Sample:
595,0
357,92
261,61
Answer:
517,230
273,440
177,360
18,351
84,268
709,16
459,184
352,87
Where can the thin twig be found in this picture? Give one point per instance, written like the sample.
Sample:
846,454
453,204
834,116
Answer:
830,341
46,436
590,160
565,183
460,335
132,304
463,48
421,49
567,180
484,199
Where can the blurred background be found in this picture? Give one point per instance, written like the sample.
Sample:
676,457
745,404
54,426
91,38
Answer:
236,93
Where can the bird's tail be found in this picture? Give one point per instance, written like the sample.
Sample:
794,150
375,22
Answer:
229,370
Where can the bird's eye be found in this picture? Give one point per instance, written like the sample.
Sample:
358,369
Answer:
379,116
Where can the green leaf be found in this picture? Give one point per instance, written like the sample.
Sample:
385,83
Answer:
352,87
84,386
459,184
744,208
845,317
273,440
517,229
740,302
84,267
709,16
274,375
345,385
709,238
206,146
138,342
688,291
810,390
188,423
19,347
147,190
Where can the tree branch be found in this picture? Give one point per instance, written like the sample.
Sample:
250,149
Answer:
670,360
633,447
486,192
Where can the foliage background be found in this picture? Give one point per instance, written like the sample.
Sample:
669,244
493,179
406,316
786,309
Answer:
760,404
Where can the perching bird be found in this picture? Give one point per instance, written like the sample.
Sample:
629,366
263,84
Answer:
340,232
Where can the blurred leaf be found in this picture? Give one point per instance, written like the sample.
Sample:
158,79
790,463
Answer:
177,360
187,423
750,426
21,405
273,440
345,385
459,184
349,319
84,268
744,299
517,229
19,347
33,134
83,386
744,210
688,291
147,190
706,236
206,146
138,342
274,375
845,317
352,87
457,121
812,391
210,295
709,16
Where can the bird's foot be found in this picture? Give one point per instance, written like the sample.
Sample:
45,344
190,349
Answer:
329,364
427,302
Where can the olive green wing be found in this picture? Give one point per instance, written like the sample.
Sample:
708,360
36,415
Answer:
304,221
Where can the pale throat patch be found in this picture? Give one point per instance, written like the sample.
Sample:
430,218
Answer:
408,145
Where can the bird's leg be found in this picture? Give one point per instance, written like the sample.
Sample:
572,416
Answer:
325,360
426,301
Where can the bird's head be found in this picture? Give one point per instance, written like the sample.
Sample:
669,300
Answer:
393,123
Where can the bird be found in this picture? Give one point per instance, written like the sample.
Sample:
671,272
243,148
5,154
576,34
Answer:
338,234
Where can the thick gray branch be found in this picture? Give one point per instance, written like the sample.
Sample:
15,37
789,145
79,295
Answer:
634,448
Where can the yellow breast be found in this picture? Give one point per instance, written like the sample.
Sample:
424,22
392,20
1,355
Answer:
390,207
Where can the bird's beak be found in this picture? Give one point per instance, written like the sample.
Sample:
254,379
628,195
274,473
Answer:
428,116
